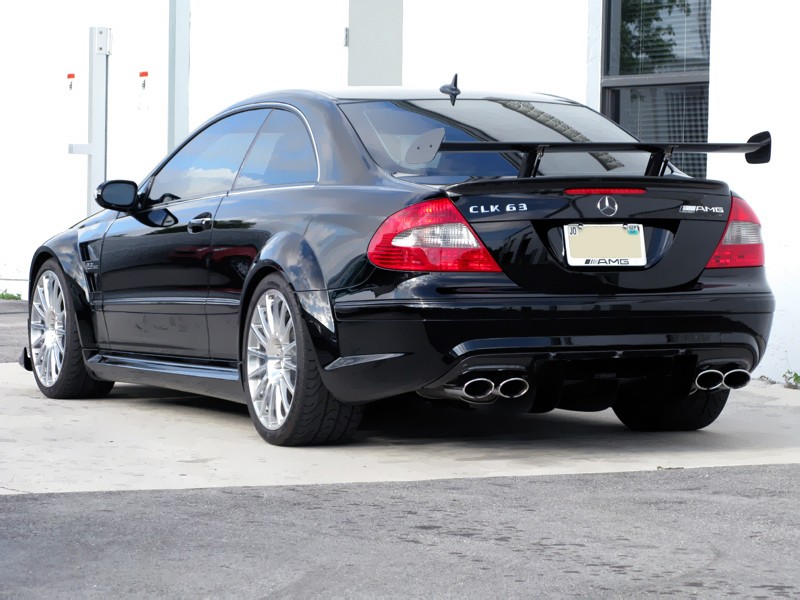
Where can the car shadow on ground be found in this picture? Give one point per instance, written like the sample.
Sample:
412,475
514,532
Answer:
410,420
164,397
403,417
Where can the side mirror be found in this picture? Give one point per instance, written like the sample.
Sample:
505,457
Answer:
117,194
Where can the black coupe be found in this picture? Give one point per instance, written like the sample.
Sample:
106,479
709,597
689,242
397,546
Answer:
306,253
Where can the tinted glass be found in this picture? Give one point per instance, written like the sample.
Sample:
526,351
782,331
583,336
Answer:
282,154
658,36
389,128
209,162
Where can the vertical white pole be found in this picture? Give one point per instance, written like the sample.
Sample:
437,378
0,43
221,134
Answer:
178,108
594,60
375,43
96,149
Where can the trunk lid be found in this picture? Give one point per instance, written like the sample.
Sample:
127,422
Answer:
522,223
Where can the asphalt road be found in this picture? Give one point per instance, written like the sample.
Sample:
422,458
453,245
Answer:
13,332
152,493
707,532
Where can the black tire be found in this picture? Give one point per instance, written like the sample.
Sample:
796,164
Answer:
54,317
314,416
688,413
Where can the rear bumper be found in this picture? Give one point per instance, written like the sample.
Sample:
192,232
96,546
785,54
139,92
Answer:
393,347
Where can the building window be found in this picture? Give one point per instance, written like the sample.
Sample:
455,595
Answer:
655,78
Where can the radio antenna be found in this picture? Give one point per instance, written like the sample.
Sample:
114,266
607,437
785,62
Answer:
451,89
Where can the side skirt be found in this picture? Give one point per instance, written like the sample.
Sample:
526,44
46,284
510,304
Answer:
208,380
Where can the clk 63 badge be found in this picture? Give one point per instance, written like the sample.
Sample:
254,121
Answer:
497,208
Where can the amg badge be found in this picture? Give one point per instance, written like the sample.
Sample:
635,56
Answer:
702,209
608,261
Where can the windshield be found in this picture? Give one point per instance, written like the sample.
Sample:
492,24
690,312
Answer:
387,129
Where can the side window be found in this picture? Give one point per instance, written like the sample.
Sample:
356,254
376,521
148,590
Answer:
209,162
282,153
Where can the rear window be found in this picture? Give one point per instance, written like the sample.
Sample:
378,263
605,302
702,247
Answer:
388,128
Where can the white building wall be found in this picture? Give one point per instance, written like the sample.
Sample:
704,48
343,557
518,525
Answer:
45,188
502,45
241,48
375,43
752,88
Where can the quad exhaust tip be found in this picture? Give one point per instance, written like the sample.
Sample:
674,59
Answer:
736,379
712,379
480,389
513,387
483,390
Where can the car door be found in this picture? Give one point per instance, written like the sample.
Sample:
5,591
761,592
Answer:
269,197
154,271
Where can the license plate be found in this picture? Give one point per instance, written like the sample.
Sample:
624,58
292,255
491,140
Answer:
613,245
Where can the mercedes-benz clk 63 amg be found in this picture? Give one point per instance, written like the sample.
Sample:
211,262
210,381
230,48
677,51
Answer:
306,253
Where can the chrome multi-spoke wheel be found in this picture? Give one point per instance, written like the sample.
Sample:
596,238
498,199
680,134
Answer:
48,328
271,359
286,397
54,344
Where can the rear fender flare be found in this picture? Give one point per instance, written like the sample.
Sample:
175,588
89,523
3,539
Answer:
290,255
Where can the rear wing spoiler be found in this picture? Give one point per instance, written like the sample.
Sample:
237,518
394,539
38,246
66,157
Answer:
757,150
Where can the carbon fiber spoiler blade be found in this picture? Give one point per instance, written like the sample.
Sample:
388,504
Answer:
757,150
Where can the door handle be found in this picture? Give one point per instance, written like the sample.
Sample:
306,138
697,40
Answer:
199,224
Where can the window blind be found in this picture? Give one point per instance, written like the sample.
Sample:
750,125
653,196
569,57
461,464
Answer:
659,36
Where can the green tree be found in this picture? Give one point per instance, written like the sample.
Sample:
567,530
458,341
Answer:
646,43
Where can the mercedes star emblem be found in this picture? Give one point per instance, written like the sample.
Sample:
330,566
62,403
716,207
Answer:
608,206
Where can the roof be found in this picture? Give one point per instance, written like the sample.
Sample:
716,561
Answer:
399,93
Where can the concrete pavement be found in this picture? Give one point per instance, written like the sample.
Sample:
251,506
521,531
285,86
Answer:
143,438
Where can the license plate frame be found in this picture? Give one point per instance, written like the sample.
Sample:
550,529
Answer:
615,245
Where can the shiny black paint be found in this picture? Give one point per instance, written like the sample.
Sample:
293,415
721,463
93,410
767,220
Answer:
529,244
208,379
154,280
443,323
160,304
316,236
76,248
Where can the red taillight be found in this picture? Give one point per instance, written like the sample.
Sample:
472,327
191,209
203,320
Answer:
429,236
742,245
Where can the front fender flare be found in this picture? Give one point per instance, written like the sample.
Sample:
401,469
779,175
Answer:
64,249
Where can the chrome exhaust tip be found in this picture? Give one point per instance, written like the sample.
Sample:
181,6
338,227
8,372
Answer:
513,387
709,380
479,388
736,379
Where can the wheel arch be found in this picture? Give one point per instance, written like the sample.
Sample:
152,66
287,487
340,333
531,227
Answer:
291,256
41,256
78,289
